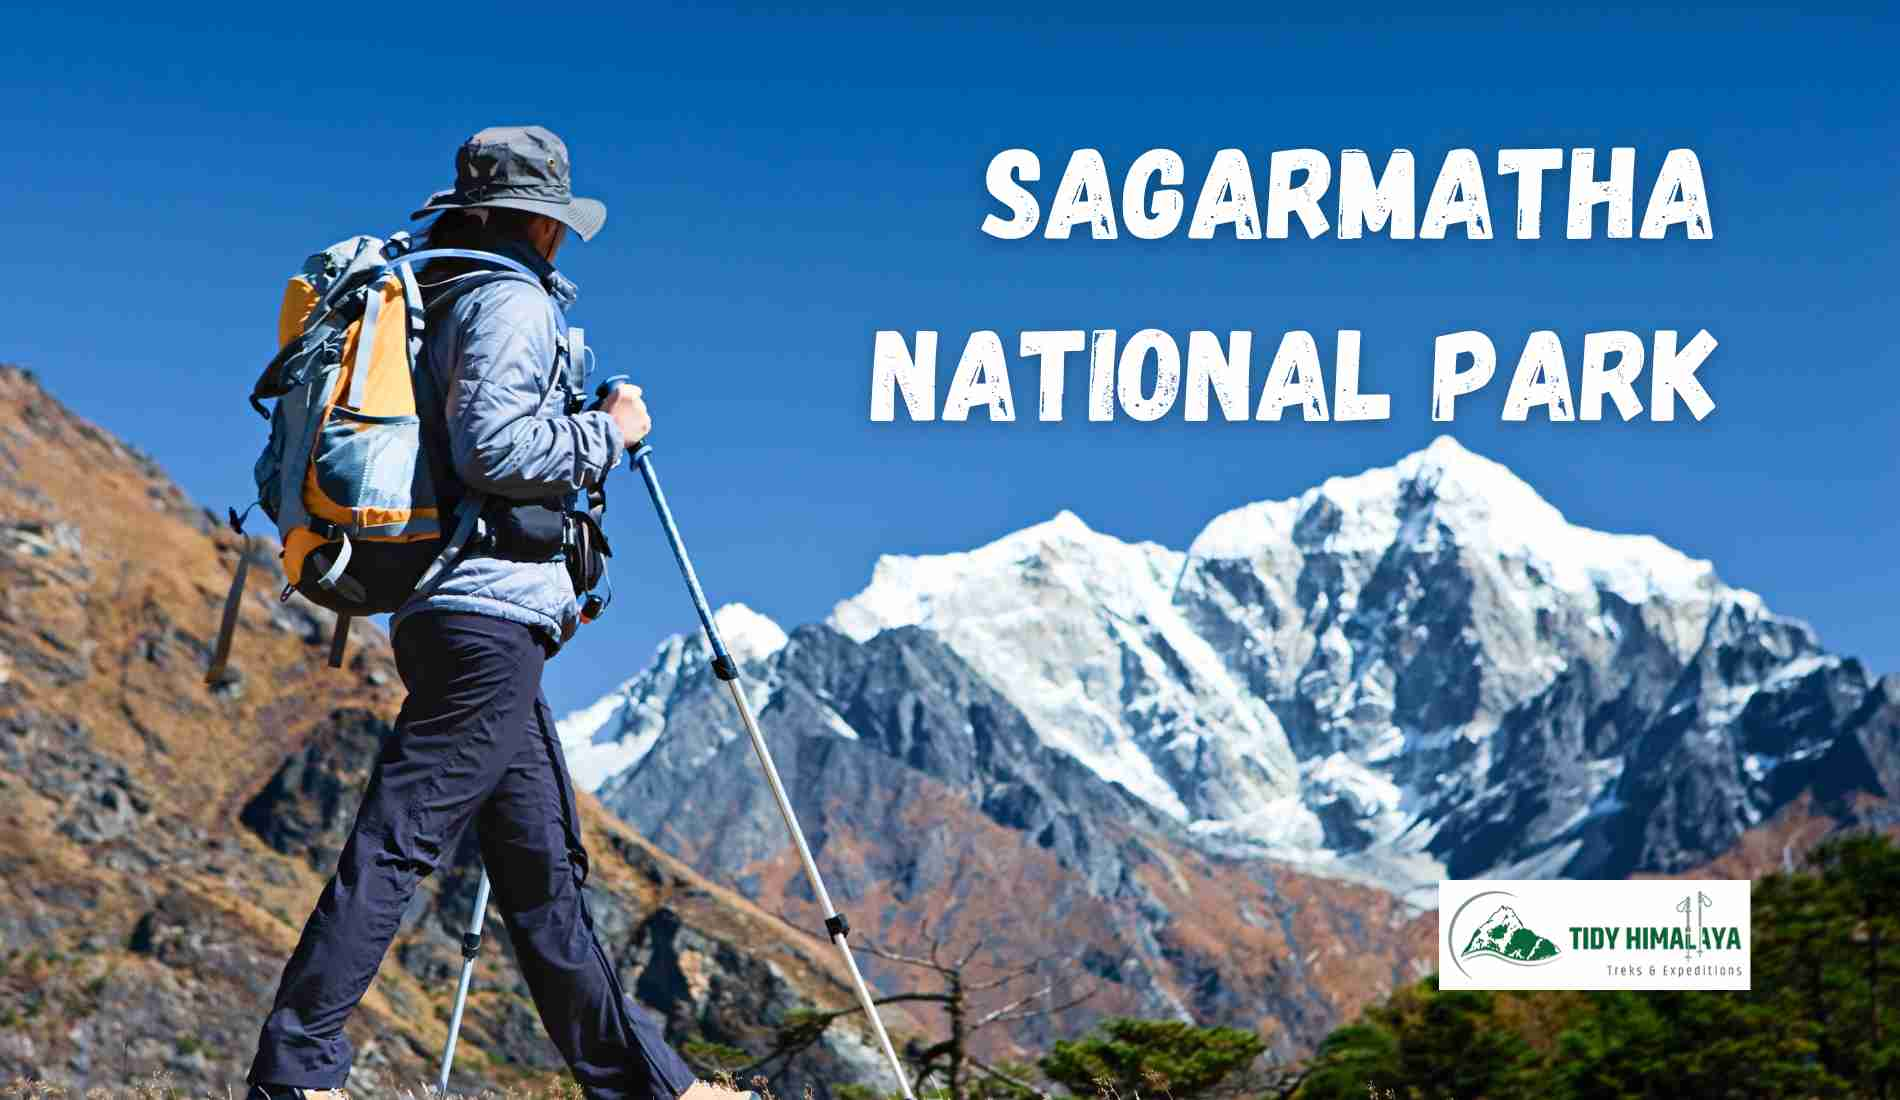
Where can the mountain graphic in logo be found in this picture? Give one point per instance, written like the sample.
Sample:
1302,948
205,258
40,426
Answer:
1505,935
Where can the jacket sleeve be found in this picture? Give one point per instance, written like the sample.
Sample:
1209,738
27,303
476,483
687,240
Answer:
501,441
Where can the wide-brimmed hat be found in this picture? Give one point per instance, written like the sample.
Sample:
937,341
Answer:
518,168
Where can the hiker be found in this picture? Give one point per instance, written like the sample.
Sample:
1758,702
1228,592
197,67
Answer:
475,740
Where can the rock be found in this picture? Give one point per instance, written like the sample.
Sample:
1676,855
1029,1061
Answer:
305,809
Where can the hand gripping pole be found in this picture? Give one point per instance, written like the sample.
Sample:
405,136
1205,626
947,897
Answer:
726,669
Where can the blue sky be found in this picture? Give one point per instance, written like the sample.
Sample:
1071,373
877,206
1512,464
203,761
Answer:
781,186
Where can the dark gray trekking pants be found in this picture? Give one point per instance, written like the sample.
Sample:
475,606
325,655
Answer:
475,741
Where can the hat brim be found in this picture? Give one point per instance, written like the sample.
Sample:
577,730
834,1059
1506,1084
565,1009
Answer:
583,216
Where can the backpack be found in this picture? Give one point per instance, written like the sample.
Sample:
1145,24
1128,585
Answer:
348,474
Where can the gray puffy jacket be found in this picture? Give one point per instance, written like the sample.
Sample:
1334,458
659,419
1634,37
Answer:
496,355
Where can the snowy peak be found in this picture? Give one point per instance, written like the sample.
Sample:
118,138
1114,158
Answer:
1275,682
748,635
1060,552
1375,503
619,729
1078,629
1483,506
1064,524
1373,678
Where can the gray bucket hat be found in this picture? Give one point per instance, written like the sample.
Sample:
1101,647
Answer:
517,168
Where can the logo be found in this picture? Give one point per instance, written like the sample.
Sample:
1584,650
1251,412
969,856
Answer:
1692,937
1502,935
1572,934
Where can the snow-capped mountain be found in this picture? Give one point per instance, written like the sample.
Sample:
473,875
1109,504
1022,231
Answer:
616,732
1416,671
1080,631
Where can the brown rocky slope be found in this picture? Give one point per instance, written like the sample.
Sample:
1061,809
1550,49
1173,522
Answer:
160,842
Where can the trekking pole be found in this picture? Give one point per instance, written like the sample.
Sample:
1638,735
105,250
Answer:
725,669
471,947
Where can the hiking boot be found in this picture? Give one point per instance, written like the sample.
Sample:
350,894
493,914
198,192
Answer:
291,1092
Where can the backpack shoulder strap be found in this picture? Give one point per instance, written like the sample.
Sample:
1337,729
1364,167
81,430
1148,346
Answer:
496,258
445,293
498,267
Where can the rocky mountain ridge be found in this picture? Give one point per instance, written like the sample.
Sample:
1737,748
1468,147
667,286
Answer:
1417,672
161,842
1355,679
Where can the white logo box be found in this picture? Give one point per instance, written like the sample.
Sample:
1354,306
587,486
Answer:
1593,934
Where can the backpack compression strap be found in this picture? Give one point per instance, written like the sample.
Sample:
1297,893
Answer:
465,516
227,627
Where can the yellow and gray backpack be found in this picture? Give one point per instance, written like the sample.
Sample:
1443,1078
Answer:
351,472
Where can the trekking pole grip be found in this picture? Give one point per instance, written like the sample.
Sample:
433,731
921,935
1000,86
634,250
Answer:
614,381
